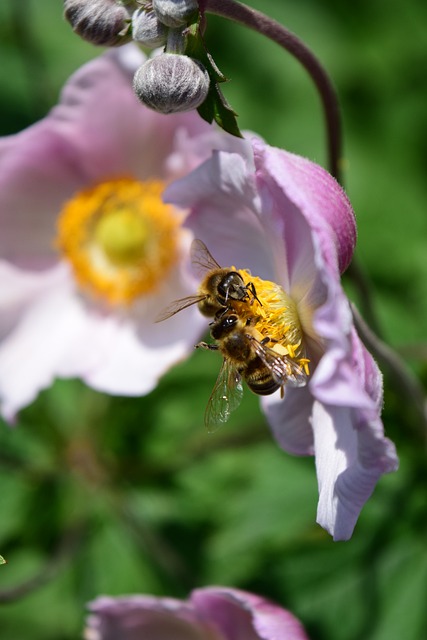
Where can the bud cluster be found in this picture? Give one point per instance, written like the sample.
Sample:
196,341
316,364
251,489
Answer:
171,81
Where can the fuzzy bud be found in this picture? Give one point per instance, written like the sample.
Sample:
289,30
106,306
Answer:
175,13
170,83
148,30
101,22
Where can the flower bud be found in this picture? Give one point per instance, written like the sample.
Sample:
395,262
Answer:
102,22
170,83
175,13
148,30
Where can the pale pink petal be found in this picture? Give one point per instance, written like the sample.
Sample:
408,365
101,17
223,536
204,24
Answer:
243,616
134,350
137,617
51,333
290,419
37,174
191,151
224,212
350,458
19,289
136,355
93,134
113,133
317,195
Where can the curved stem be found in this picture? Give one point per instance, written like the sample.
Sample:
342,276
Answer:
271,29
405,379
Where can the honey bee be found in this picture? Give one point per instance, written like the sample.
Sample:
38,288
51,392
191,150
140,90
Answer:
247,356
219,287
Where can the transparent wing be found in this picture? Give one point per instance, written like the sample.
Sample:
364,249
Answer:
178,305
201,259
283,369
225,397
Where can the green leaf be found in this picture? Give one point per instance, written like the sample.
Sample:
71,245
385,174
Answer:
215,107
2,560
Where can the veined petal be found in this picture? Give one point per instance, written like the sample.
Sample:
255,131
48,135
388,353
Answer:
290,419
243,616
350,458
317,195
224,211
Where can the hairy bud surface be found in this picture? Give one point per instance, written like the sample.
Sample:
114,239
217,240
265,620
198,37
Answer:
175,13
101,22
170,83
148,30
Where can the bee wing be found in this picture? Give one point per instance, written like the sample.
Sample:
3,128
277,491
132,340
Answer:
178,305
201,259
225,397
283,369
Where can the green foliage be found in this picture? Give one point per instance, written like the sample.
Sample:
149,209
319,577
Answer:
121,495
215,108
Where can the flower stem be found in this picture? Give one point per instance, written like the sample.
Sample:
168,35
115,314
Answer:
271,29
406,381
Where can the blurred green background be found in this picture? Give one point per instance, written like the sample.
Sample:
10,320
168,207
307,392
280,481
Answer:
118,495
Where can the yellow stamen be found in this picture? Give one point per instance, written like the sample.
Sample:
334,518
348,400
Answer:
275,315
120,238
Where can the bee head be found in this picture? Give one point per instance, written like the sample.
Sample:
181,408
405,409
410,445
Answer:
231,286
224,325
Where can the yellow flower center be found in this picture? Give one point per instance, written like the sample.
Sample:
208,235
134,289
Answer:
275,315
120,238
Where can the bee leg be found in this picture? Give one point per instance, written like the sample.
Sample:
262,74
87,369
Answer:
219,314
206,345
251,288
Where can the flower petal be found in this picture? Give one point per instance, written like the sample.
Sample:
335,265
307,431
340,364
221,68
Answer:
224,211
52,334
77,144
137,354
290,419
123,137
135,617
350,458
317,195
243,616
19,289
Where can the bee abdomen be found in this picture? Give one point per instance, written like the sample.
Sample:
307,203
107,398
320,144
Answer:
263,386
259,379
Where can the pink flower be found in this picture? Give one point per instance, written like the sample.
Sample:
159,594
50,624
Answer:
213,613
89,253
287,220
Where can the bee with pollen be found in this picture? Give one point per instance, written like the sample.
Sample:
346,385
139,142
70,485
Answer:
256,329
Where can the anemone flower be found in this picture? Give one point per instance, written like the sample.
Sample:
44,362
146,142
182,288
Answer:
89,252
289,222
212,613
